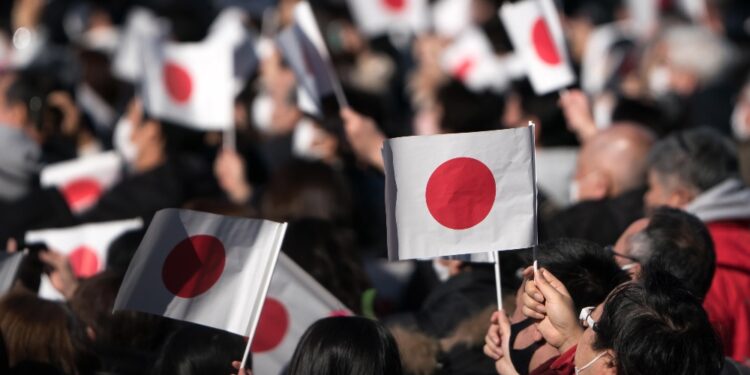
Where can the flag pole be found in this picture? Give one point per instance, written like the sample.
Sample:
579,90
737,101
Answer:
230,139
247,353
498,284
536,234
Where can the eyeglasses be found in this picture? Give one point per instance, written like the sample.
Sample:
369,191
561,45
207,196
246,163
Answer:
585,317
611,249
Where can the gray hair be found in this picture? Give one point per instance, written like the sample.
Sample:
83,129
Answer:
697,159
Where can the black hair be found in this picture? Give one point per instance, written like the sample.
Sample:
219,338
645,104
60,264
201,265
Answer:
344,346
466,111
585,268
656,326
699,158
327,254
679,243
197,350
120,252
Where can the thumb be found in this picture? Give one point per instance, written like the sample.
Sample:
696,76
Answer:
544,286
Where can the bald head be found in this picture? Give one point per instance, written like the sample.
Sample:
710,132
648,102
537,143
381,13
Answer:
614,161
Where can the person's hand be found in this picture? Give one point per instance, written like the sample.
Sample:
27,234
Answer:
27,13
364,136
546,299
578,116
241,371
229,168
497,343
61,275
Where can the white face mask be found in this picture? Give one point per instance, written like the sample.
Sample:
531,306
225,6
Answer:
443,272
658,81
739,121
303,139
262,112
591,362
122,142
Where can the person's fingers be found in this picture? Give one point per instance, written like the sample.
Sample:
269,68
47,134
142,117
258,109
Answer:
51,258
236,364
554,281
530,289
490,352
493,334
531,313
11,246
545,287
528,273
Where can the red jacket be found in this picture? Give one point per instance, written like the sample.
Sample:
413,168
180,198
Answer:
728,300
560,365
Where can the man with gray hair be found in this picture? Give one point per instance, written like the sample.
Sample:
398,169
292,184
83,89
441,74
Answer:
696,170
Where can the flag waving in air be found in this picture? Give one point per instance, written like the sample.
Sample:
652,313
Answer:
207,269
378,17
294,302
302,45
534,29
460,193
85,247
82,181
191,84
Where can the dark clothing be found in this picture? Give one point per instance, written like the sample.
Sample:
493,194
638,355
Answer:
601,221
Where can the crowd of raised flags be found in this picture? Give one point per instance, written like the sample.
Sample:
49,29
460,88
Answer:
267,80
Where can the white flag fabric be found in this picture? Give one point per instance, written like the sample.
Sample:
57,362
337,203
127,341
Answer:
451,17
202,268
471,60
82,181
378,17
460,193
84,245
534,29
191,84
141,26
294,302
303,47
9,265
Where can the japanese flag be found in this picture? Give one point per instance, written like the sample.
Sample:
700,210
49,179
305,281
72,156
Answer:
191,84
460,193
471,60
302,45
202,268
84,245
9,265
534,29
451,17
82,181
141,26
294,302
377,17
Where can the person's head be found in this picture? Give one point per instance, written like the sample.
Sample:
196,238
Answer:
307,189
196,350
589,274
654,326
346,345
462,110
685,164
122,249
21,100
673,241
37,330
327,253
612,162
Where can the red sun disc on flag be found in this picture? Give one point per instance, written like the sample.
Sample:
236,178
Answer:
543,42
194,266
460,193
272,326
339,313
394,5
464,68
178,82
84,261
82,193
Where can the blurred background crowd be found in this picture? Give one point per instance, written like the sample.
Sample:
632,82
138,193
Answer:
659,116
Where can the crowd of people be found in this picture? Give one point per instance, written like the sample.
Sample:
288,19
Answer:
643,166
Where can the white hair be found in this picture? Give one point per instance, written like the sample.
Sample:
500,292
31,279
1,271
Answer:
697,50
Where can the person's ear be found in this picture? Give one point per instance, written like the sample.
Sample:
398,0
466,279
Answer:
610,363
600,186
635,271
681,197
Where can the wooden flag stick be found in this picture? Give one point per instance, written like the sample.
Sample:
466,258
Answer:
498,284
536,197
247,353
